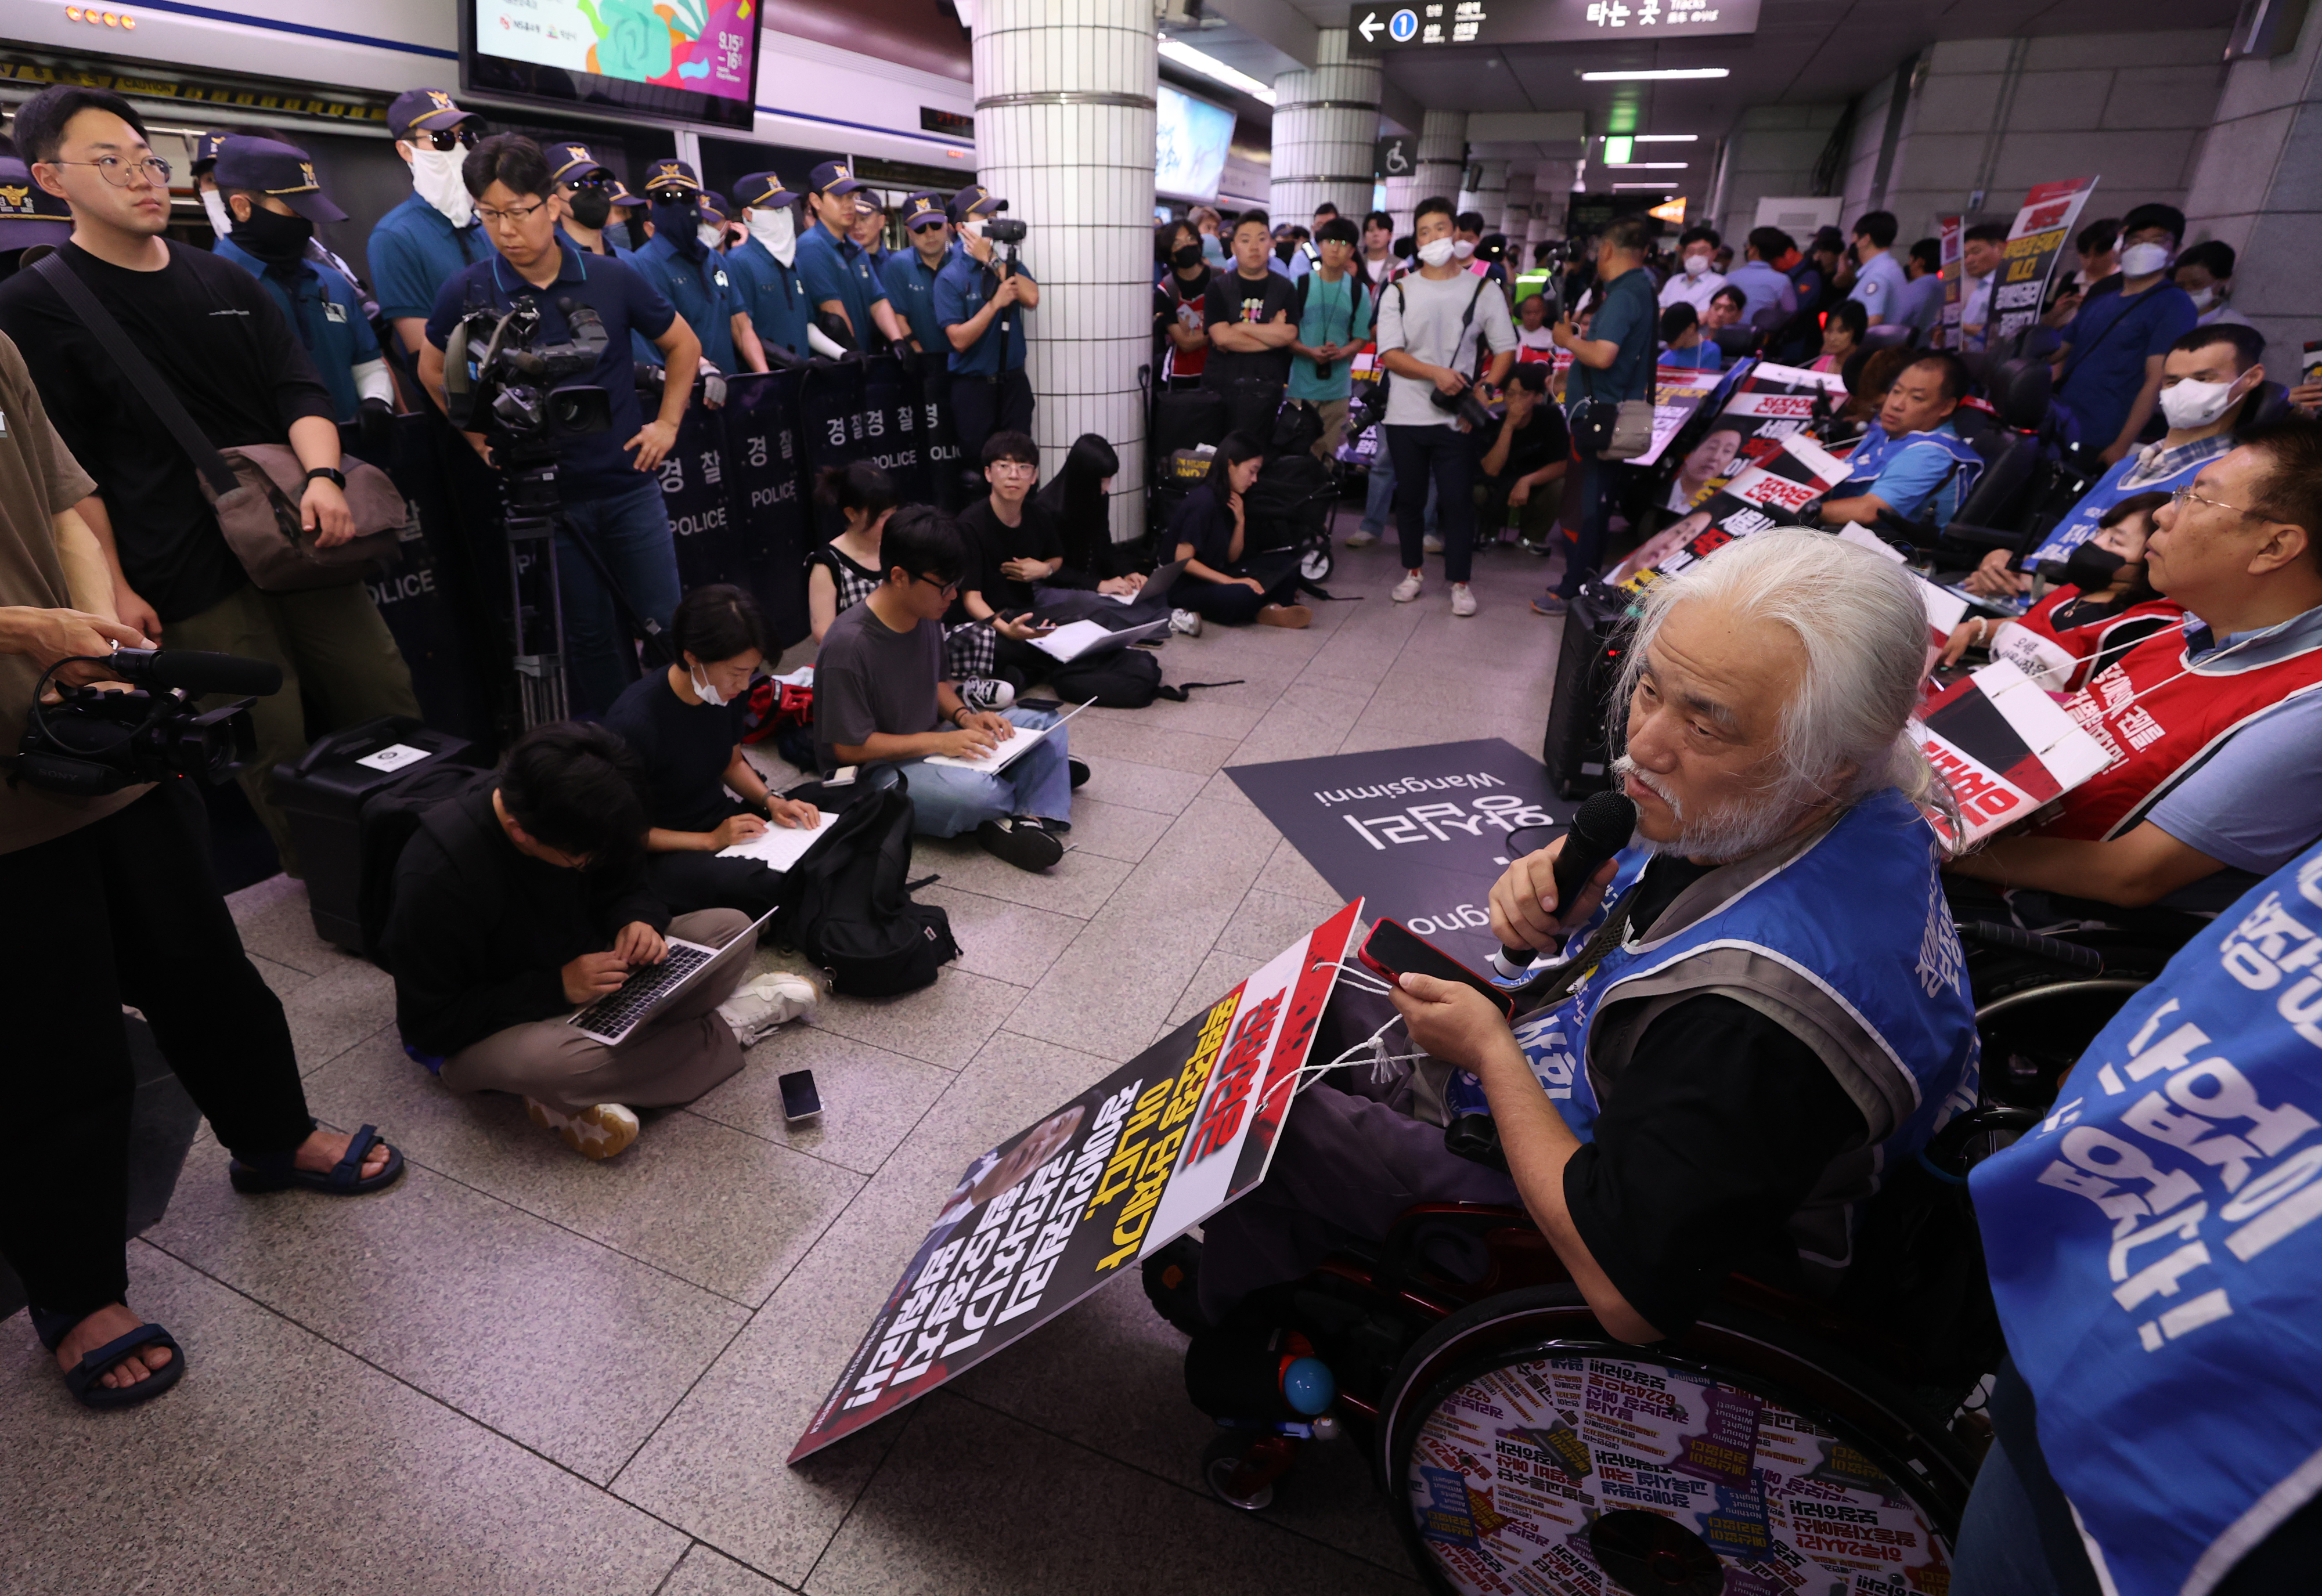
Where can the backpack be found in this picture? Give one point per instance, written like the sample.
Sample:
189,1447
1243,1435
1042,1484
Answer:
387,822
846,906
1124,679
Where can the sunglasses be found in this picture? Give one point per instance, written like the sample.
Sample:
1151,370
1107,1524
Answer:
462,137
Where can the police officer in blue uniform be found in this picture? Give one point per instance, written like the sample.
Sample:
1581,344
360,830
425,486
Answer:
682,260
764,264
272,202
202,167
432,236
590,190
980,303
30,215
911,276
840,283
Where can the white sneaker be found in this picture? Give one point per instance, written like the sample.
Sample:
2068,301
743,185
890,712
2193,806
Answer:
1431,543
1361,538
1185,622
982,695
1463,599
600,1131
757,1006
1407,590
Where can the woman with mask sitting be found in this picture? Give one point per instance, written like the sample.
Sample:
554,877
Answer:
685,724
2105,607
1210,534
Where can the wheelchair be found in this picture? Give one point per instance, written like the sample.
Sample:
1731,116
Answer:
1781,1443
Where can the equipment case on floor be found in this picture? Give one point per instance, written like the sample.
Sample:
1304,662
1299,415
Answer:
1587,668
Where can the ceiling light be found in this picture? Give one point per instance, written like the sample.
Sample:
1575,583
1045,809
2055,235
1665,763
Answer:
1656,75
1617,151
1651,166
1668,138
1656,187
1210,67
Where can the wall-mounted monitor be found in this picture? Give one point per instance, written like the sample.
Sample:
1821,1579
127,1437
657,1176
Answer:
1191,135
666,61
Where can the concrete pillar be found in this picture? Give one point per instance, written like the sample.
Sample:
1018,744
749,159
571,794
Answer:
1490,194
1515,218
1325,123
1064,132
1402,194
1442,156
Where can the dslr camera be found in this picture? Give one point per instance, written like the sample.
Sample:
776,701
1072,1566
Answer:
500,379
96,741
1467,405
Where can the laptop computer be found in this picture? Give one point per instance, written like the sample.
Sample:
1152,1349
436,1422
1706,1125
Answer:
652,987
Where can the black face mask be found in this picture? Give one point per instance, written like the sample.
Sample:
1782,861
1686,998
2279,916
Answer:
1186,257
272,236
1283,250
591,205
676,220
2092,569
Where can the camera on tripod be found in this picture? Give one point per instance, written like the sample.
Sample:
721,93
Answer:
1008,231
96,741
500,379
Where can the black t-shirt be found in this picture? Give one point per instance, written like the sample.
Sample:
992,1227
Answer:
1538,442
215,334
686,749
1208,526
1234,298
1721,1125
991,543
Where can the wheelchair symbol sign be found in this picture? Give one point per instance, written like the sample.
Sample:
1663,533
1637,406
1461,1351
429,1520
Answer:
1401,26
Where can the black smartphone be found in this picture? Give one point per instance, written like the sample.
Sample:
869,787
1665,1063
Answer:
1393,949
800,1100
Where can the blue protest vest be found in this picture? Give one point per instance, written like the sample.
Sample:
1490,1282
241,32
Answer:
1854,927
1879,449
2155,1254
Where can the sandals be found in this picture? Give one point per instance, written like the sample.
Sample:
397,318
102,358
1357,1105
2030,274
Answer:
345,1178
82,1379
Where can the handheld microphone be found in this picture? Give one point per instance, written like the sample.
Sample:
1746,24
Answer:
195,671
1601,829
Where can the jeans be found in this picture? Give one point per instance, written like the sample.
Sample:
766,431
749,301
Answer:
1443,457
629,531
947,800
1378,503
1588,509
123,910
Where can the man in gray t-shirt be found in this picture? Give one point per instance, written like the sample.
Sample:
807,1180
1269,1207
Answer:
880,699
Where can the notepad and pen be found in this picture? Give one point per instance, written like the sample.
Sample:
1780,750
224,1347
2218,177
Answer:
1006,752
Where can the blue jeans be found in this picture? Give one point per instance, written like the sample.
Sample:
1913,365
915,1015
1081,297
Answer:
629,531
947,800
1378,503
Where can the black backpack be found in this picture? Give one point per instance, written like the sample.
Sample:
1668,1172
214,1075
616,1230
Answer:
846,906
389,818
1125,679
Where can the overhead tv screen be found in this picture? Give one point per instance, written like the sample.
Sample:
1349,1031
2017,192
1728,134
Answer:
672,61
1191,136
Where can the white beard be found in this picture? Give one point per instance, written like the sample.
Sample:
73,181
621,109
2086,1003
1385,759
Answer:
1724,834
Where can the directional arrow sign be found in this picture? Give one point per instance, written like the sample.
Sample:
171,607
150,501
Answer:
1370,27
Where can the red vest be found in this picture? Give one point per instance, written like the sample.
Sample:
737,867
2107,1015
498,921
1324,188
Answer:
2162,719
2086,641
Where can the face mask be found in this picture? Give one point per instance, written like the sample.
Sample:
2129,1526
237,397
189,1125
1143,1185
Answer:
1186,257
777,231
435,178
272,236
679,222
590,206
617,237
711,234
973,227
1283,250
710,694
2091,569
2191,405
1464,250
2205,297
2144,260
221,219
1694,265
1435,252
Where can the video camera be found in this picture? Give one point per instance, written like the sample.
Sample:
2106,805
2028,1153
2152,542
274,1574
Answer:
1008,231
520,389
96,741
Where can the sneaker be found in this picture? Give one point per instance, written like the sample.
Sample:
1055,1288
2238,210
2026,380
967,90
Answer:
1431,543
1293,615
1549,603
1407,590
1021,841
1079,772
987,694
758,1005
1463,599
1362,537
598,1132
1185,622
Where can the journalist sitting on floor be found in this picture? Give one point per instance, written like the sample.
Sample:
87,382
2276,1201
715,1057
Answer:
1773,1008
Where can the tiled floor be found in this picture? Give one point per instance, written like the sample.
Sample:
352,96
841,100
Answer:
522,1372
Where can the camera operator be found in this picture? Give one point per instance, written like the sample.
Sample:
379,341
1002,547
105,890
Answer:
682,260
978,304
605,479
113,902
840,281
220,345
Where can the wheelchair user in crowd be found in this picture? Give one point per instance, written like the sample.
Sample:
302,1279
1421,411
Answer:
1775,1006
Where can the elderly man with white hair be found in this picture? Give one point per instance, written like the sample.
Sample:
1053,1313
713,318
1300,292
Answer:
1774,1006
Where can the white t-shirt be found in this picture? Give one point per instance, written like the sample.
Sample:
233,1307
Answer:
1420,314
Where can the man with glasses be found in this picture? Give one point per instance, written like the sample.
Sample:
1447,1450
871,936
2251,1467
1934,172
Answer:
881,697
611,497
682,260
421,243
221,346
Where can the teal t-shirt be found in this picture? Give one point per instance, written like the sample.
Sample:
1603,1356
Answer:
1336,313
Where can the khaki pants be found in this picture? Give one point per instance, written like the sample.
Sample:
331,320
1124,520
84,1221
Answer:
1334,428
672,1058
336,653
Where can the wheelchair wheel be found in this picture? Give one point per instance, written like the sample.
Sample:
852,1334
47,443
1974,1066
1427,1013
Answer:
1316,564
1528,1450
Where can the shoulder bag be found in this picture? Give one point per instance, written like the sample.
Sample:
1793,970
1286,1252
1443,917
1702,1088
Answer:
255,488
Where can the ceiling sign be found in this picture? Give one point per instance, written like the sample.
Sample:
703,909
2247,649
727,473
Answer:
1383,25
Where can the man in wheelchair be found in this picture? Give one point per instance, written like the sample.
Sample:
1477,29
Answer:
1773,1008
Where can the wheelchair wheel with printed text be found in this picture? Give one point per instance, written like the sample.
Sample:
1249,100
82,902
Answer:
1529,1451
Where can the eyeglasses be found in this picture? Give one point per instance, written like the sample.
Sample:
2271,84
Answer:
492,218
2177,500
445,138
126,174
949,589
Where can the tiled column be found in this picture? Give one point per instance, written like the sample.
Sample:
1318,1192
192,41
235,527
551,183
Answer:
1515,218
1490,194
1402,194
1064,132
1442,156
1325,121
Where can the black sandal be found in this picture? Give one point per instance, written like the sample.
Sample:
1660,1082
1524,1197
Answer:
344,1179
82,1379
